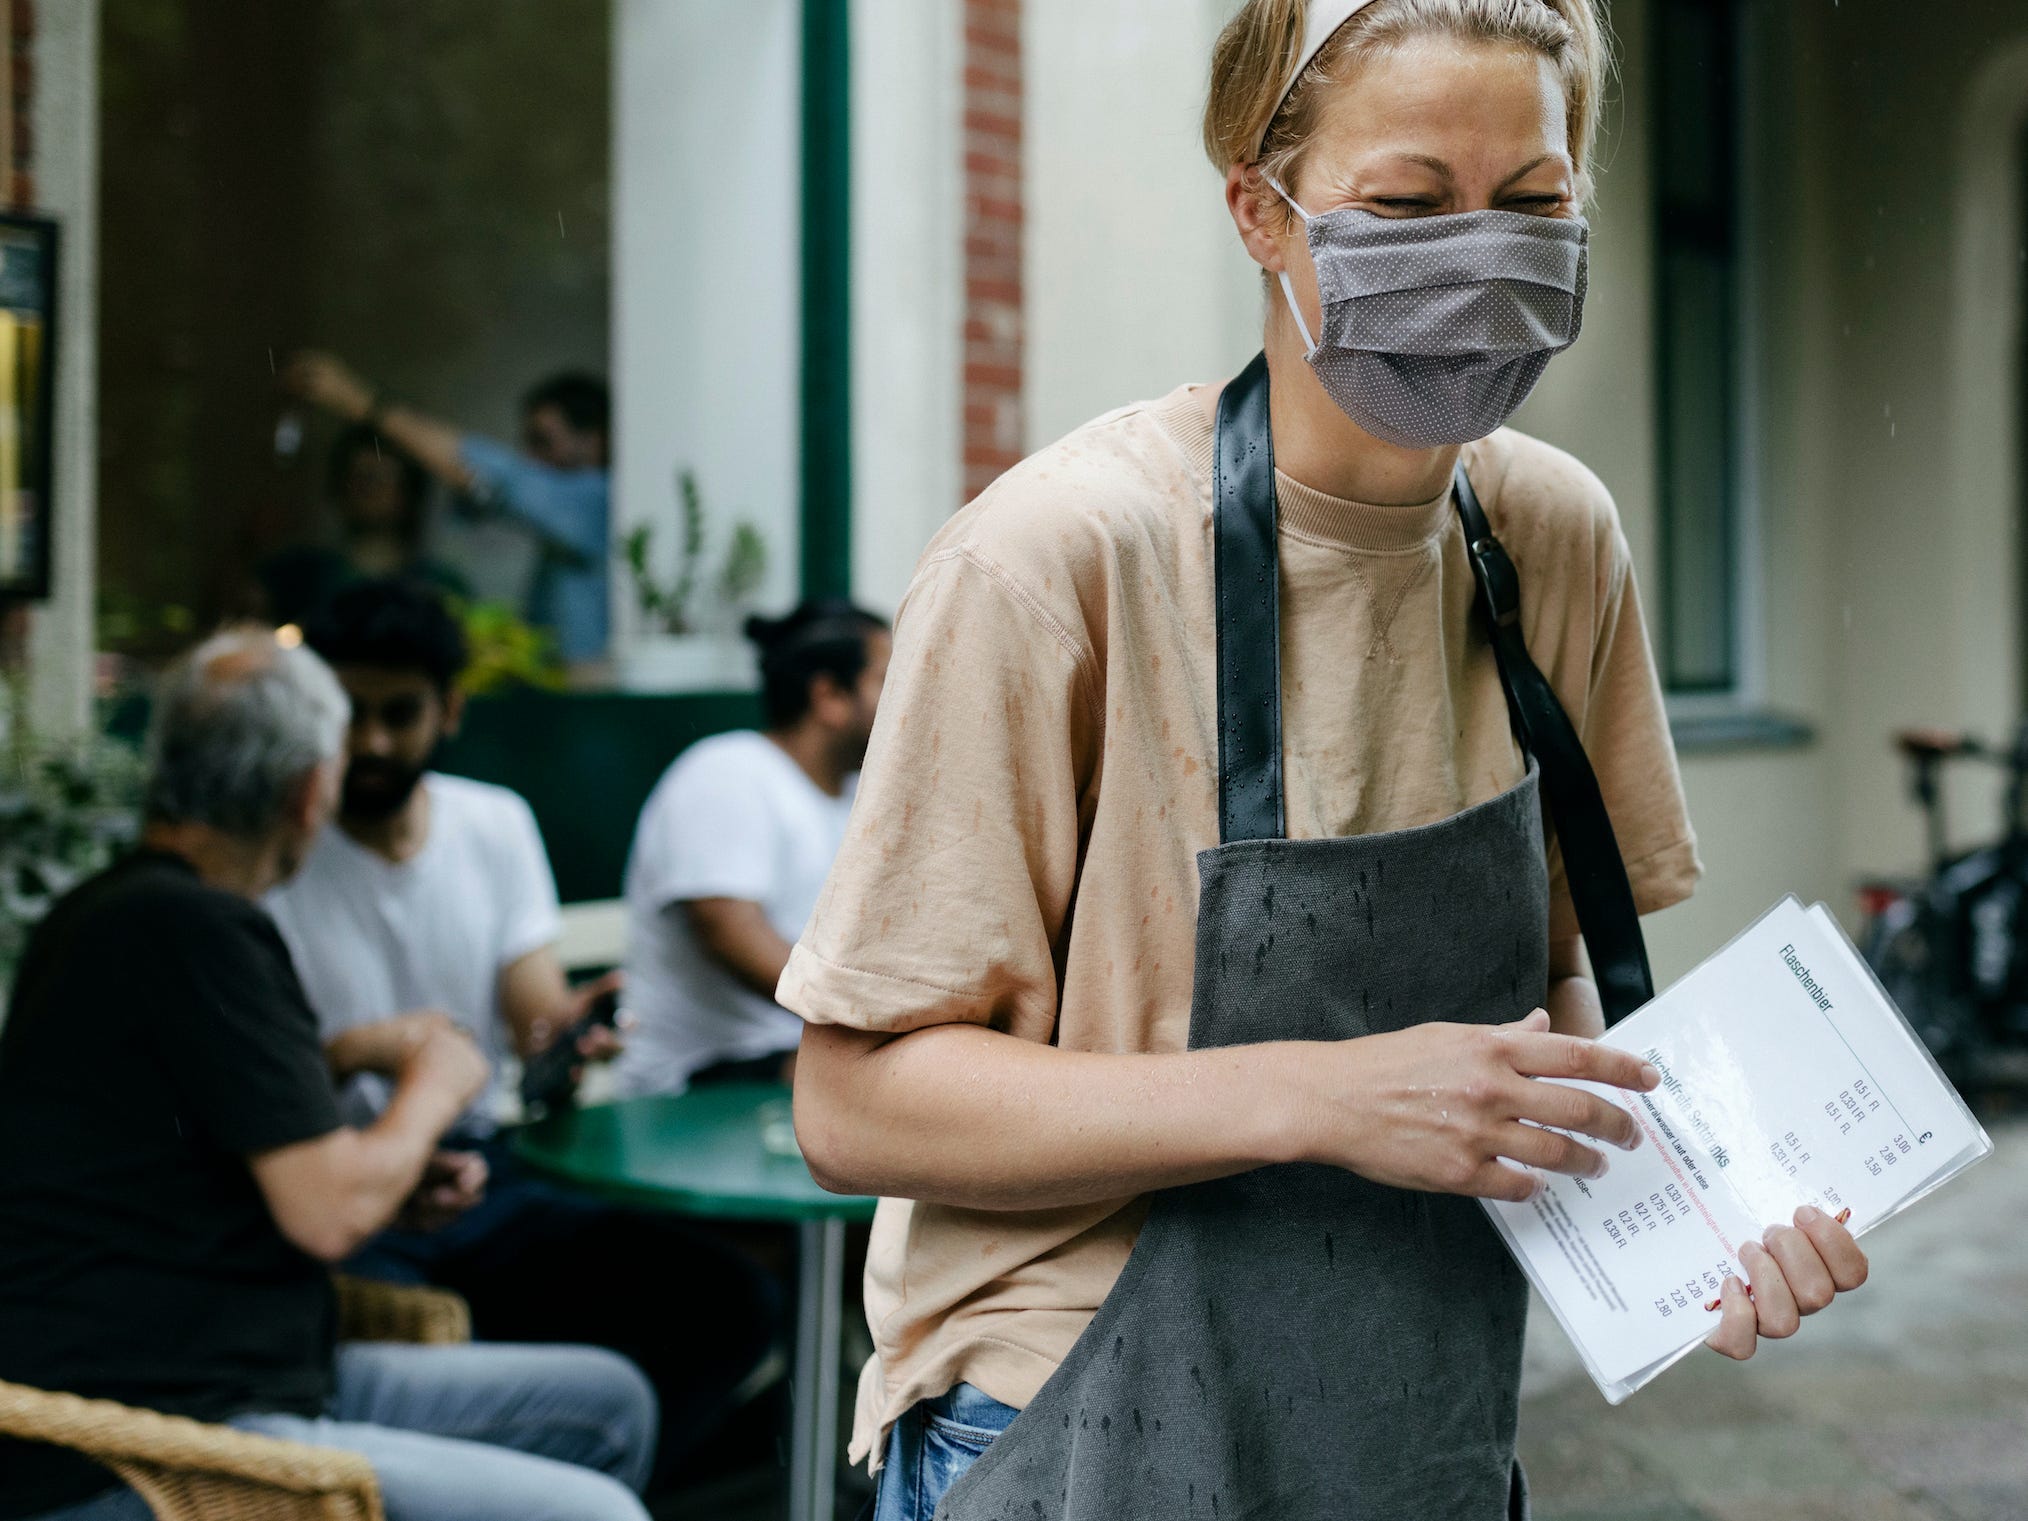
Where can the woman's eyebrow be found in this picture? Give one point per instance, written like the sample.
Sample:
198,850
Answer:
1436,165
1526,169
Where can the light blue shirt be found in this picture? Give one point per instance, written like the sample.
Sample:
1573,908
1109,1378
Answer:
569,512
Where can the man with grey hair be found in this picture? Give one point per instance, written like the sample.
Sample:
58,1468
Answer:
175,1179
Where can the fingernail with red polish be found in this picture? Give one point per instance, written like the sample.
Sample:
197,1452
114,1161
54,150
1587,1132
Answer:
1844,1216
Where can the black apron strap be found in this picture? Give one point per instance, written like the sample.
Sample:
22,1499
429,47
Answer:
1599,889
1248,591
1248,599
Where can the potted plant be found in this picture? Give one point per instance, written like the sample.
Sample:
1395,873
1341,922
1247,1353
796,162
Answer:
689,639
66,808
506,651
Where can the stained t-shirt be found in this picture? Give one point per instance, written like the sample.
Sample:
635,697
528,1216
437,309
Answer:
156,1039
1044,772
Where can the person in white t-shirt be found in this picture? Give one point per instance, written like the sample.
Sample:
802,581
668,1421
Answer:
732,850
433,893
431,898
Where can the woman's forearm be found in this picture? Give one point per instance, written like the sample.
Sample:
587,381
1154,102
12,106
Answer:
1574,1007
1572,1001
956,1114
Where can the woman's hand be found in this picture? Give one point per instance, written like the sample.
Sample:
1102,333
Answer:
1796,1271
1439,1106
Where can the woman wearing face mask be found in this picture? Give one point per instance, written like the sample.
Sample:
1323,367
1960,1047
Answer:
1182,979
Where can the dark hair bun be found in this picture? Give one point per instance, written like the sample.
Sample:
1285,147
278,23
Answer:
823,636
766,632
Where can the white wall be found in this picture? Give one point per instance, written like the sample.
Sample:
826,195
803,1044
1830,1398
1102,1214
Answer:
1923,422
707,288
66,172
1136,282
908,226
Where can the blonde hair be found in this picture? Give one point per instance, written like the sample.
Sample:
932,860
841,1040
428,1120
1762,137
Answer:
1260,45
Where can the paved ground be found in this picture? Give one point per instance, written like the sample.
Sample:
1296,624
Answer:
1907,1402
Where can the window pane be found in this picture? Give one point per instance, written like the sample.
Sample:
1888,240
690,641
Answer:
1696,106
1695,93
1697,471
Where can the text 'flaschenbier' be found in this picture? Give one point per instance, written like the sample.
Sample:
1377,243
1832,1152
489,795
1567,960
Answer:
1810,984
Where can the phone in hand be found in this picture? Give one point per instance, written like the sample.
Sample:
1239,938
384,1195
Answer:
548,1078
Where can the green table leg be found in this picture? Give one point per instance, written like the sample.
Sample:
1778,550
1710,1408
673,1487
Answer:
813,1451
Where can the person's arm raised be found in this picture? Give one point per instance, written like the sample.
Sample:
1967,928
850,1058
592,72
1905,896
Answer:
963,1115
329,1196
328,382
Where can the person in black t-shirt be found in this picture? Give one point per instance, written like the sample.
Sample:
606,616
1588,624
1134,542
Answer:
175,1179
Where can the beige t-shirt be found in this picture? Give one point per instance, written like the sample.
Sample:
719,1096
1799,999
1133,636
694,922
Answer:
1044,773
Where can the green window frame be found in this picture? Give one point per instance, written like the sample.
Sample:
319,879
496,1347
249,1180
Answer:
826,404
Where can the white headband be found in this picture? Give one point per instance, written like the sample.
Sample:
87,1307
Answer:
1321,25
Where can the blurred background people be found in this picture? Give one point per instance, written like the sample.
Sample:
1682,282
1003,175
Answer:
557,485
380,496
175,1177
433,892
732,850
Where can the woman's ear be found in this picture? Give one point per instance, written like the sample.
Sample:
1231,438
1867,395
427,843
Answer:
1257,213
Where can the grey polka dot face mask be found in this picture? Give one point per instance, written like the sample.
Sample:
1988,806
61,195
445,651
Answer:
1436,328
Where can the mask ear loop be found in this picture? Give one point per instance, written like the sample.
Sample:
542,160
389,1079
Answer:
1288,287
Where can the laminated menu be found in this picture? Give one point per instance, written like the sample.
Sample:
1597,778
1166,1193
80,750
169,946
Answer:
1788,1078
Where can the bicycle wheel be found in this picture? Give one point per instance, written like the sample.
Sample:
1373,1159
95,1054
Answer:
1908,950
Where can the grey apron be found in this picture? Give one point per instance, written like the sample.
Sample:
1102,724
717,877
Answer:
1297,1343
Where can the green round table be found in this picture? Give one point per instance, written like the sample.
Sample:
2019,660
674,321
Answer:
700,1153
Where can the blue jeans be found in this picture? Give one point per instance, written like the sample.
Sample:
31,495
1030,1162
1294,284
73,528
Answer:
541,1264
931,1447
474,1433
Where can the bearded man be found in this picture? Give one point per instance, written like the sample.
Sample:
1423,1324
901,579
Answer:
432,895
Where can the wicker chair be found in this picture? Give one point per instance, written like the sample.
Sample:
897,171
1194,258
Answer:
189,1471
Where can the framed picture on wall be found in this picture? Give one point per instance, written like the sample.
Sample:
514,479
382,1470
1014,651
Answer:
27,402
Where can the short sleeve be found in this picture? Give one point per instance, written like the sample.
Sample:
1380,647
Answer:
530,918
949,898
710,833
237,1040
1625,730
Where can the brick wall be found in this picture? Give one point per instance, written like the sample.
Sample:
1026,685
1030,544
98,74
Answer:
992,383
17,22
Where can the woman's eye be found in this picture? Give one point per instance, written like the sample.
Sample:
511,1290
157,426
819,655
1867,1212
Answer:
1541,205
1405,206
